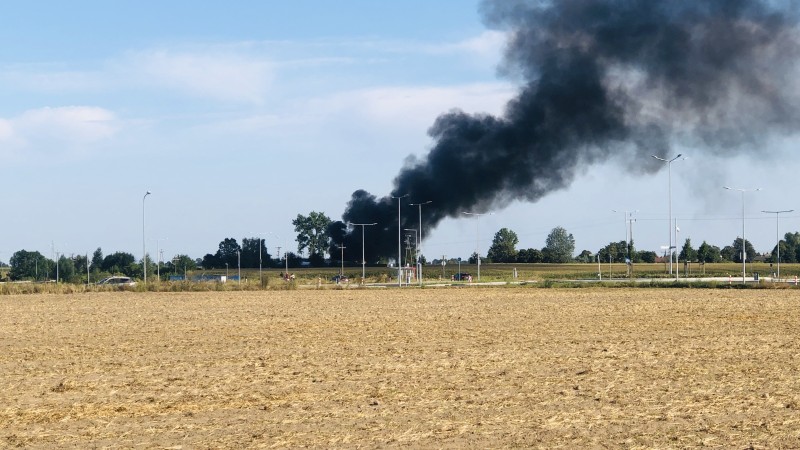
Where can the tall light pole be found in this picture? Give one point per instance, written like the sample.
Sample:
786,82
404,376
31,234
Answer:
419,252
744,241
477,237
363,258
778,237
144,246
669,189
399,245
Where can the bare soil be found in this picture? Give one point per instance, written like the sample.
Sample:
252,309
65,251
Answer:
531,368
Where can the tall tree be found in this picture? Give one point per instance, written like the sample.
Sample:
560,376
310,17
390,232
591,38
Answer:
559,246
707,253
504,246
66,269
585,256
687,252
28,265
750,252
617,251
250,252
312,233
227,253
121,263
530,255
97,260
181,263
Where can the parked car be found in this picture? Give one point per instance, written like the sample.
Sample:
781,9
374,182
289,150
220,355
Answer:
116,281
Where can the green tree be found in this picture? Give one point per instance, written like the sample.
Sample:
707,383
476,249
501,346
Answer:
251,252
473,258
81,262
66,269
646,256
530,255
121,263
791,252
707,253
789,245
617,251
28,266
687,252
504,246
97,260
585,257
559,246
180,264
728,253
312,233
228,254
749,250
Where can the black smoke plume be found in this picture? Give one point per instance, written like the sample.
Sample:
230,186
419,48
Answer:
600,79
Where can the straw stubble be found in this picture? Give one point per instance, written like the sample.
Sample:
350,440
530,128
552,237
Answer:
431,368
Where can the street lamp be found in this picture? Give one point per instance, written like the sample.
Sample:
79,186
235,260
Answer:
399,246
777,236
669,189
363,259
419,251
477,237
744,241
144,246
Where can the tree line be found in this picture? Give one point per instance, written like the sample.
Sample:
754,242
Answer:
316,232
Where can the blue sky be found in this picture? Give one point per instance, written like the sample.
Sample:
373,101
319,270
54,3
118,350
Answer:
239,116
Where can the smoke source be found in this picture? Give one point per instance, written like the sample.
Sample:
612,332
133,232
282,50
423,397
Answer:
600,79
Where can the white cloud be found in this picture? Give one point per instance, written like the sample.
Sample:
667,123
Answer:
6,130
79,124
64,130
488,44
221,76
415,105
43,78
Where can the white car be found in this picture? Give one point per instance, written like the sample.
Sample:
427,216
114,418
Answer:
116,281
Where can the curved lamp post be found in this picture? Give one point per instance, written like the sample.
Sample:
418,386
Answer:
669,189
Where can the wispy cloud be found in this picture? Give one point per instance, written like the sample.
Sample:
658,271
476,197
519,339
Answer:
62,130
224,77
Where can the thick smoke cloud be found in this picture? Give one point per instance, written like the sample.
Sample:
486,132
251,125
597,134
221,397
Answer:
600,79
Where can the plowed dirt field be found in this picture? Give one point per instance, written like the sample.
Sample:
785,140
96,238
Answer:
549,368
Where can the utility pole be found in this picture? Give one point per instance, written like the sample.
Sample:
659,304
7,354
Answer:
341,274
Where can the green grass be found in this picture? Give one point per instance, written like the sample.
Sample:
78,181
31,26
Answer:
545,275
